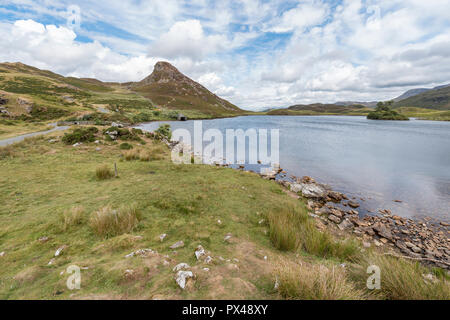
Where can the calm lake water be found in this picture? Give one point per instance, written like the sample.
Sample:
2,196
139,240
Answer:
378,161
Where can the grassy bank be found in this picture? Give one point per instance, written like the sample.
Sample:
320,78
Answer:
55,196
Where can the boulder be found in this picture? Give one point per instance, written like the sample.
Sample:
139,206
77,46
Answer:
353,204
199,252
141,253
227,237
116,125
382,231
181,266
345,224
313,191
333,218
182,277
296,187
60,250
43,239
413,247
335,196
176,245
324,211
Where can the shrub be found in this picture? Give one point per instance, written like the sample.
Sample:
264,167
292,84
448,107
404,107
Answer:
109,222
80,135
314,282
126,146
291,229
72,217
384,112
402,279
136,131
164,132
104,173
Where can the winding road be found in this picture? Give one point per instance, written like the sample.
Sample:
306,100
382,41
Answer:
12,140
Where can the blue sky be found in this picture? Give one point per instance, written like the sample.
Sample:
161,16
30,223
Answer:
255,53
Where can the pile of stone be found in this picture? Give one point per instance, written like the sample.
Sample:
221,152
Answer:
418,240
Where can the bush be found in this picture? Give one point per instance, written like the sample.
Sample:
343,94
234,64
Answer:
136,131
291,229
108,222
104,173
80,135
72,217
126,146
164,132
384,112
314,282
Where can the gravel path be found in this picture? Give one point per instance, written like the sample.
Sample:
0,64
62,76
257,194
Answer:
12,140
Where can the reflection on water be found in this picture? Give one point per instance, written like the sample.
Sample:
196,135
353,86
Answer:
379,161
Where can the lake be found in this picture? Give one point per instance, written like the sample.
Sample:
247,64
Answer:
376,162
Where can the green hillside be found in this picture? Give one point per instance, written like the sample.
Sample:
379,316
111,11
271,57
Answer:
437,99
31,99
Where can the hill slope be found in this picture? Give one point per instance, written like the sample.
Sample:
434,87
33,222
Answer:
437,98
31,98
169,88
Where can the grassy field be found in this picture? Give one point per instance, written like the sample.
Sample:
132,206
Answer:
425,114
321,109
54,195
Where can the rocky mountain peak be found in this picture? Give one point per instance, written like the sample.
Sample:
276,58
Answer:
164,72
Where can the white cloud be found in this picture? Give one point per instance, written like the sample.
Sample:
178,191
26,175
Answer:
55,48
306,14
255,53
186,39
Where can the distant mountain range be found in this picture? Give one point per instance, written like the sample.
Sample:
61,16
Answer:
320,108
437,98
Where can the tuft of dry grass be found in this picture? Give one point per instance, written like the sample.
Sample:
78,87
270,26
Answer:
7,152
145,156
72,217
131,155
402,279
291,229
314,282
104,172
109,222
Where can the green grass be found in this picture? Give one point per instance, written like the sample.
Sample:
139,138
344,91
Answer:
42,180
403,280
315,282
425,114
291,229
50,190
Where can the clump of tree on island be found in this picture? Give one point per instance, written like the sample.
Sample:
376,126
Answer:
384,111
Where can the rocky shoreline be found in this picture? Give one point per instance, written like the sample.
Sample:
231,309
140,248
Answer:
409,238
412,239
